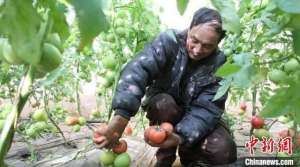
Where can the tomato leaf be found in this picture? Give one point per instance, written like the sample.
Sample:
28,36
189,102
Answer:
290,6
91,19
225,85
229,15
243,7
243,59
227,69
296,41
21,23
286,100
59,20
52,76
182,5
244,77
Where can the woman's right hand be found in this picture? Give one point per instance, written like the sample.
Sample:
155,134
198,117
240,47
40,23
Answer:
108,136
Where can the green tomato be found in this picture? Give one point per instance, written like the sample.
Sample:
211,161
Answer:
96,114
277,76
51,58
76,128
32,132
122,160
40,115
110,75
40,126
107,158
109,62
121,31
259,133
55,40
291,65
106,83
81,121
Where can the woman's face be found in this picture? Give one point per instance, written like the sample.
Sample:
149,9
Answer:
202,40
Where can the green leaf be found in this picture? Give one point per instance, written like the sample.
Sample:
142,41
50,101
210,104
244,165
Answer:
243,59
244,4
59,19
21,24
225,84
231,20
294,22
289,6
227,69
286,100
91,19
182,5
244,77
296,41
52,77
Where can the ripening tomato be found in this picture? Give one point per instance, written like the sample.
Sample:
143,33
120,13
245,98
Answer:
168,127
71,120
128,131
243,106
156,135
121,147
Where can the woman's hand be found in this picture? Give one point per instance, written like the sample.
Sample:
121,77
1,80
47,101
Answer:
172,140
108,137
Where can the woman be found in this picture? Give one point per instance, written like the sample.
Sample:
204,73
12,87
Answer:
176,74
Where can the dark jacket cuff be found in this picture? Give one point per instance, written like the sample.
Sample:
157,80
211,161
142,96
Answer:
123,113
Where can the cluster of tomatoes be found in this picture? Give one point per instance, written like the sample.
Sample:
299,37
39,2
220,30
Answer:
40,125
76,122
158,134
258,123
117,156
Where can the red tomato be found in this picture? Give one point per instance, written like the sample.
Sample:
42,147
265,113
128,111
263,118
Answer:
155,134
257,122
168,127
121,147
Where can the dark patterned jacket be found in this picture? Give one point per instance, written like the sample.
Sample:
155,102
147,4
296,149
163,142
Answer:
163,67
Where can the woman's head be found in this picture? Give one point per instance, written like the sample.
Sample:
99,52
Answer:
204,34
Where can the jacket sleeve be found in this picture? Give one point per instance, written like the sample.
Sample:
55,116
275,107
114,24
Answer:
202,117
140,72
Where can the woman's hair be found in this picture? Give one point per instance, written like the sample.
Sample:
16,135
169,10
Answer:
210,16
